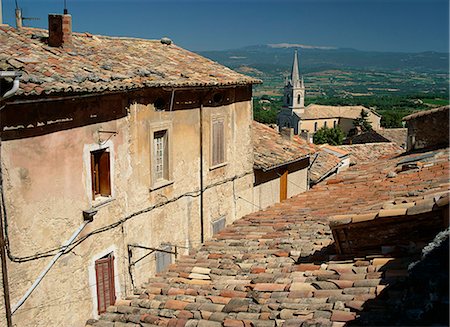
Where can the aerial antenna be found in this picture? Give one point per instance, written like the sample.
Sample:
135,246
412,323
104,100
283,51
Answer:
20,18
65,8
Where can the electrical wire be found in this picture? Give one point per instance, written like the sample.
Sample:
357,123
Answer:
53,251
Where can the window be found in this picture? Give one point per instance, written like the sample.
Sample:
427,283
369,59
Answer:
160,156
104,275
100,173
315,127
298,99
334,124
325,124
218,225
218,142
163,259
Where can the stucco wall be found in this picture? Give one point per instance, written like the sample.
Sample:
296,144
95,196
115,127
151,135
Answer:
345,124
309,124
266,191
47,186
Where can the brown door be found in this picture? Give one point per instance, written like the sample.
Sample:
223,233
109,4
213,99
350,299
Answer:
104,273
283,186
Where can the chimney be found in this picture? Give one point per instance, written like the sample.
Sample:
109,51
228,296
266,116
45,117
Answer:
287,133
59,30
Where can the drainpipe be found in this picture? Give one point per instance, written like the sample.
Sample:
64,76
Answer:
15,87
7,300
49,266
202,232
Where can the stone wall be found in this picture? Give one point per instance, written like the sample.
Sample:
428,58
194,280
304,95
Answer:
428,130
47,180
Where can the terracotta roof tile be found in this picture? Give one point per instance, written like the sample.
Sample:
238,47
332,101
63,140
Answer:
97,63
425,113
271,149
317,111
252,285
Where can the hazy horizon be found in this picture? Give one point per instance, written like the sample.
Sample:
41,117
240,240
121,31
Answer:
208,25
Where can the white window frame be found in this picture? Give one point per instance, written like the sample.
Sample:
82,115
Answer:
87,150
154,129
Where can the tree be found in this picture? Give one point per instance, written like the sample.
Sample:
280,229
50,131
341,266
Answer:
333,136
361,124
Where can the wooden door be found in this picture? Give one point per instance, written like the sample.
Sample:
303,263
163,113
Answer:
104,273
283,186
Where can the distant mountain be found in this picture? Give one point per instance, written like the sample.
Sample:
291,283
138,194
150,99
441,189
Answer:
275,58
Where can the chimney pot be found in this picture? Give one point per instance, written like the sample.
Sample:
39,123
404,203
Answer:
59,30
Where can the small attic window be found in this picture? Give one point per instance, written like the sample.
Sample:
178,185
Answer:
217,98
160,104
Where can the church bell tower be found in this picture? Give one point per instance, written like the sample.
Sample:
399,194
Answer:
294,89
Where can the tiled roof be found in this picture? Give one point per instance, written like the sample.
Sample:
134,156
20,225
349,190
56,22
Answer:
396,135
371,151
270,149
426,113
322,165
278,268
316,111
366,137
334,149
99,63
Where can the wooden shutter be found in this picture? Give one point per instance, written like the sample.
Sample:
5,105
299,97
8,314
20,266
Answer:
283,186
163,259
104,274
218,148
218,225
104,174
94,175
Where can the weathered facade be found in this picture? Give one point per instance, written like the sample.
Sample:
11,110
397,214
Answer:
149,141
281,165
428,128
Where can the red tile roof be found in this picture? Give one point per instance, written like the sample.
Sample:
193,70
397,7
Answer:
271,149
278,267
99,63
426,113
371,151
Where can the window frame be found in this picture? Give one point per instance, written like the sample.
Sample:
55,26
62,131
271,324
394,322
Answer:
101,179
98,201
167,179
220,162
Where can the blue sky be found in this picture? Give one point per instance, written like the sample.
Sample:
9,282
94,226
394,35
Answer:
378,25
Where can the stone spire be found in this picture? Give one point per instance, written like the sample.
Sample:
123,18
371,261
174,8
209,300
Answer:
295,76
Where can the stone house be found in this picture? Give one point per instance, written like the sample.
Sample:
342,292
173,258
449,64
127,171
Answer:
117,155
428,128
307,120
281,164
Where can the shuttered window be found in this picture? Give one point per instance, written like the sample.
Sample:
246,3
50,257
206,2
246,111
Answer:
160,155
163,259
104,274
100,173
218,142
218,225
